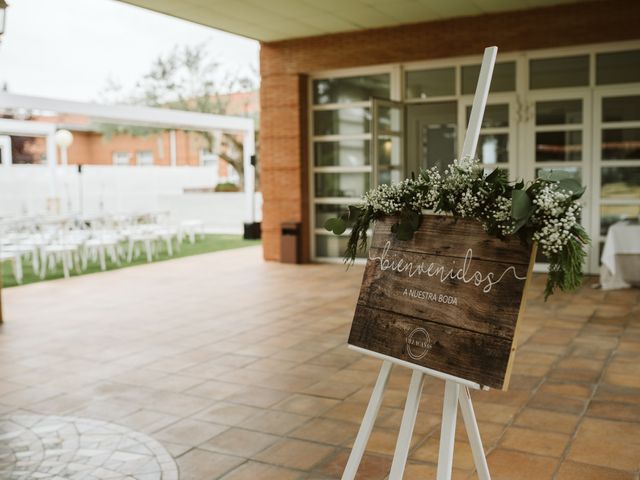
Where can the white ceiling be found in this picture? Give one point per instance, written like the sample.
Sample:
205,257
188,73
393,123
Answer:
270,20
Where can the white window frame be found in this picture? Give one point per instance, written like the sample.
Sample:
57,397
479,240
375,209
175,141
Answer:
115,160
140,154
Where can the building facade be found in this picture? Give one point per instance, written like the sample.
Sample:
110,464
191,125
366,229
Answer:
341,113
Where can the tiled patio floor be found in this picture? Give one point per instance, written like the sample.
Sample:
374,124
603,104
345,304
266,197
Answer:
240,369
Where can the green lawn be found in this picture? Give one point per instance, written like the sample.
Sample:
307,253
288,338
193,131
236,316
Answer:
210,243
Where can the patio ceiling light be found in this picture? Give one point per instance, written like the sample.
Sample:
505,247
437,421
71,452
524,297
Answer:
3,15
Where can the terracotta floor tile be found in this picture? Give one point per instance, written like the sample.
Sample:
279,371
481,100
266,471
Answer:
583,471
628,412
257,397
239,442
277,423
327,431
547,420
549,444
189,432
306,404
372,467
608,444
332,389
512,465
428,452
199,464
261,471
298,454
558,403
225,413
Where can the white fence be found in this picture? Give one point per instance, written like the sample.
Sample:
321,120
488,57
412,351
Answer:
24,190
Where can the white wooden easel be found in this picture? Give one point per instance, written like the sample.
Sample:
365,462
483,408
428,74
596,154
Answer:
456,391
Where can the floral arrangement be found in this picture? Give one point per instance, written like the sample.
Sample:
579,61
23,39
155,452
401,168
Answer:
545,211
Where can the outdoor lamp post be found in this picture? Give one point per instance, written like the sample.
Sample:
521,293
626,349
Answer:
64,139
3,16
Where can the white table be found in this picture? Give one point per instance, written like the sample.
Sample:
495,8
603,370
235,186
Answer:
621,257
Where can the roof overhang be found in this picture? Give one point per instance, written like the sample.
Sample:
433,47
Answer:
130,115
275,20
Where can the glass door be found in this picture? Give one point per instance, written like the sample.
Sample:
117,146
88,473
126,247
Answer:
616,147
558,126
387,141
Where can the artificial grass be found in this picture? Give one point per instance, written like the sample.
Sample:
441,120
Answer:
210,243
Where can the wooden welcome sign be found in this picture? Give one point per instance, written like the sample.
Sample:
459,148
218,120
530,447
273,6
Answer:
448,300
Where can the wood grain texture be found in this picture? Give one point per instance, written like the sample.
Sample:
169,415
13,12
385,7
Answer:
463,287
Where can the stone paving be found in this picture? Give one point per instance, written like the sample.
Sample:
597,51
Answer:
239,369
53,447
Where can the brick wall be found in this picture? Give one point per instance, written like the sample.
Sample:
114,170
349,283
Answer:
284,65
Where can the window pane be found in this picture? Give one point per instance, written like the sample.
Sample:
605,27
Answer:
388,176
389,119
559,112
325,212
503,80
620,182
431,83
573,172
389,151
558,146
493,149
618,67
332,246
345,153
610,214
341,122
431,135
350,89
621,109
621,144
341,184
559,72
495,116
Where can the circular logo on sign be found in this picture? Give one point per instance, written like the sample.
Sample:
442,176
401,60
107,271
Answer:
418,343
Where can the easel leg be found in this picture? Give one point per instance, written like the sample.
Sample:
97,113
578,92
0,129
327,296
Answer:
448,430
367,422
466,407
406,428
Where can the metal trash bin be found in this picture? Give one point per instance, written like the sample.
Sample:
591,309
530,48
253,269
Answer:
290,243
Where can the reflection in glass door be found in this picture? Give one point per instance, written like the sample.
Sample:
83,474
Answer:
558,125
497,140
432,135
387,142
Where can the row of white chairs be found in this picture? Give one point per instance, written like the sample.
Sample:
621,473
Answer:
74,248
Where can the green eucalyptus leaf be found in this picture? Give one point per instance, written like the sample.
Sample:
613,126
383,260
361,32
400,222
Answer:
493,175
521,206
354,212
330,223
520,223
404,231
340,226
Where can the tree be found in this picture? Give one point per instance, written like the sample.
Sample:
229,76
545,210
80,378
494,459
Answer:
187,78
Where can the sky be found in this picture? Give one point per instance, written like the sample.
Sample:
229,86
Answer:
68,48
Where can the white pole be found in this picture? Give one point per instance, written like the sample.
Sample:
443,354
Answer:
479,103
173,148
368,421
448,430
248,149
52,162
403,442
63,156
